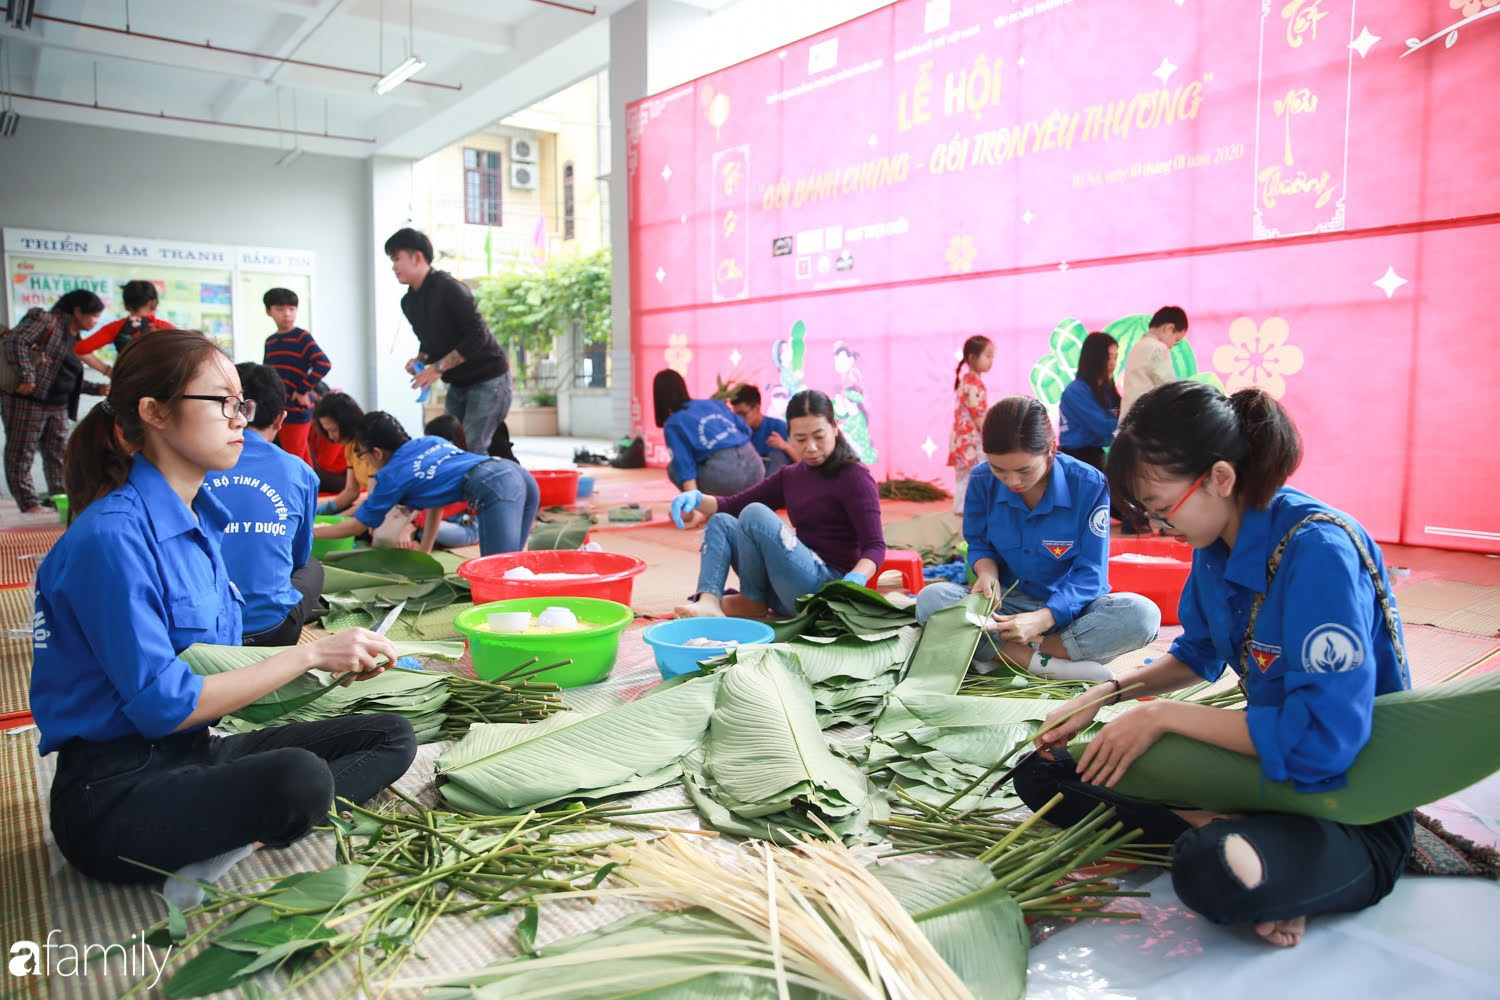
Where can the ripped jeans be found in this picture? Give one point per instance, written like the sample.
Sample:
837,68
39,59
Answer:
773,566
1308,865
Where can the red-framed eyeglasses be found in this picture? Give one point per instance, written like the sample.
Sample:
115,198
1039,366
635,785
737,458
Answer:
1165,520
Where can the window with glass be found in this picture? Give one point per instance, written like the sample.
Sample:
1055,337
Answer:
481,187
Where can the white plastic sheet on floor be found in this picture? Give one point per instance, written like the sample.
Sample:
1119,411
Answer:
1431,937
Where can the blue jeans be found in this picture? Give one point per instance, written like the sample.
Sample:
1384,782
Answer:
773,566
776,459
480,408
1107,626
457,531
505,499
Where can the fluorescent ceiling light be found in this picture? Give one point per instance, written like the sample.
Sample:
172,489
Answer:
289,157
399,75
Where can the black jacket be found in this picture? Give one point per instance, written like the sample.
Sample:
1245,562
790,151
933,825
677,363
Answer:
443,315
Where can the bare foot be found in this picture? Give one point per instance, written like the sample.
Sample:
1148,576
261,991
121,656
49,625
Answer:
740,606
1283,933
706,606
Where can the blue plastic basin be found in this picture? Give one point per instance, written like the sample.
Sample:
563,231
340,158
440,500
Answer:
673,658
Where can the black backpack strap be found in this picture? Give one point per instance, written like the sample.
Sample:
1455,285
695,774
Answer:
1387,607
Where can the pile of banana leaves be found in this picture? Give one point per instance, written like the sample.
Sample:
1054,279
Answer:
765,770
504,767
844,608
361,585
316,695
850,676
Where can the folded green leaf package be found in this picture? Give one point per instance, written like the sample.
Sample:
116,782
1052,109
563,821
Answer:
1424,744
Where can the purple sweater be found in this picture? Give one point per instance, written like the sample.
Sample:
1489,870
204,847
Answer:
838,517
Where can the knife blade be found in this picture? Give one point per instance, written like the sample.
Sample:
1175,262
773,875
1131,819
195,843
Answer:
390,619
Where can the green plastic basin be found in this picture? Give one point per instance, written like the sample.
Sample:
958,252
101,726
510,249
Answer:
592,649
323,546
61,499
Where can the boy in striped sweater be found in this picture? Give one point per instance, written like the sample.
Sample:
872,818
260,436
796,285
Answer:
301,364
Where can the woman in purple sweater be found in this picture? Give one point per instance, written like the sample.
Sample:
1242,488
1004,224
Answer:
835,511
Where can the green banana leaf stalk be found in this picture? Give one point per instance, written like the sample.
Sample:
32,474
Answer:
1424,744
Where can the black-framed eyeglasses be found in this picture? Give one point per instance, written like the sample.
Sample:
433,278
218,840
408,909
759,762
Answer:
230,406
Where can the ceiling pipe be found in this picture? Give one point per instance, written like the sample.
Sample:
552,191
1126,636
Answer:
163,116
284,60
590,11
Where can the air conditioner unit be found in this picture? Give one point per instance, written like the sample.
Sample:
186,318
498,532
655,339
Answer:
523,150
523,176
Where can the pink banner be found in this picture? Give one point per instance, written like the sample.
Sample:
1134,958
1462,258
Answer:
1316,190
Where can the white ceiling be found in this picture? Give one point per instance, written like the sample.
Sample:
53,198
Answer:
485,59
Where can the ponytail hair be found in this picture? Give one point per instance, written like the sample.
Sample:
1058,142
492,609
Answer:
1183,428
1017,423
98,455
973,348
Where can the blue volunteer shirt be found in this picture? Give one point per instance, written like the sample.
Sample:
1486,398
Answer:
1321,651
132,583
699,429
271,497
425,472
761,436
1059,552
1083,421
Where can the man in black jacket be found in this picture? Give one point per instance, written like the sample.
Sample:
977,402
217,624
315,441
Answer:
456,344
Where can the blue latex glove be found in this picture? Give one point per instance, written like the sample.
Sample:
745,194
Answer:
856,577
327,507
685,503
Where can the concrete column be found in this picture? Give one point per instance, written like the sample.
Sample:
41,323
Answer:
391,341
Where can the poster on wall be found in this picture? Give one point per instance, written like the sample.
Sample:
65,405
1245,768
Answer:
200,286
843,212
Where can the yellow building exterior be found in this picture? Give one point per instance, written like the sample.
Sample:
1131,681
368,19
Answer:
482,189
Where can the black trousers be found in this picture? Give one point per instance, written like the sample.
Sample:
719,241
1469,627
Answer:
192,796
1309,866
308,579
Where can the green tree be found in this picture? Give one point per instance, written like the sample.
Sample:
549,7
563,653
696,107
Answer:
529,308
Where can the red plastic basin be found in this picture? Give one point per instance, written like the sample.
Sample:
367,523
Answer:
611,576
559,487
1160,583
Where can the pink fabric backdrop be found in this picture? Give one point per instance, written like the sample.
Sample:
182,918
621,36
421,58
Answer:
1319,193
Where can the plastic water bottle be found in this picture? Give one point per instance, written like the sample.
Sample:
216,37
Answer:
426,389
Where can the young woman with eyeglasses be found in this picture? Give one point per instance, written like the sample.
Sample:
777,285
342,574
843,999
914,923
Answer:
136,579
1294,596
1037,524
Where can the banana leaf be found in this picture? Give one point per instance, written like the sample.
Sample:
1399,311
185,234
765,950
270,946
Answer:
670,950
765,762
662,955
206,660
337,580
981,935
412,626
517,766
406,563
938,663
1396,771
